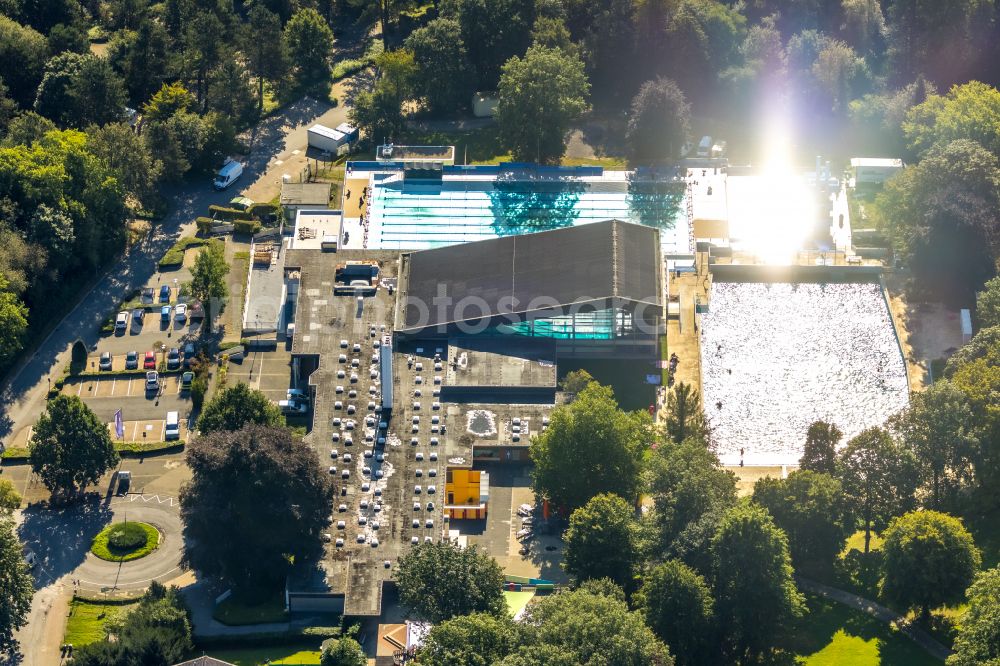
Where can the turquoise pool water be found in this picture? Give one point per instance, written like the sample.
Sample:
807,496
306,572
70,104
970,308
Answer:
423,215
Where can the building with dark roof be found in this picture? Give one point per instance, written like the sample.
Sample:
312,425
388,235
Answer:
593,289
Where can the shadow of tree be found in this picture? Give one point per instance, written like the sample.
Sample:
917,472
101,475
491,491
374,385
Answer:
523,203
61,536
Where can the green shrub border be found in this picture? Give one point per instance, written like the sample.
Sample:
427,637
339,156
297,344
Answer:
175,256
99,546
17,454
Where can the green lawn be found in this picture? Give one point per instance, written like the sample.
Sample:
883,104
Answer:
857,541
143,547
288,655
86,620
236,612
834,635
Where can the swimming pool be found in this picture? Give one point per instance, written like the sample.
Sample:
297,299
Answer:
407,215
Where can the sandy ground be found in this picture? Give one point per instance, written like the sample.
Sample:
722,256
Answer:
927,331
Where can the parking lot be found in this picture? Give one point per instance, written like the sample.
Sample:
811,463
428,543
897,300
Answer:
147,431
268,371
106,395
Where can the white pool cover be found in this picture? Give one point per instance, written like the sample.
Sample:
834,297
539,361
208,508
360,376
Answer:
778,356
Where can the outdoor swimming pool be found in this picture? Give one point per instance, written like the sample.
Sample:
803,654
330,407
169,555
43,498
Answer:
778,356
407,215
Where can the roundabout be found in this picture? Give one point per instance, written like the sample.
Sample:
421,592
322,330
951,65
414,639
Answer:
124,542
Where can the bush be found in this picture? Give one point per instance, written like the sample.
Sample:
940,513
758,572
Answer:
127,536
104,549
14,453
246,226
79,357
261,210
227,214
204,224
175,255
198,389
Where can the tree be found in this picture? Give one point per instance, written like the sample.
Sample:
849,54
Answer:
988,304
838,71
310,44
575,381
157,632
80,90
208,277
129,157
940,40
810,508
590,447
541,95
820,451
142,57
17,586
264,49
342,652
685,417
929,559
942,216
169,100
23,52
493,31
940,429
601,541
473,584
13,323
967,111
230,92
686,482
978,639
443,73
879,479
70,448
228,531
478,639
236,406
579,627
659,122
8,107
202,51
755,595
10,499
678,607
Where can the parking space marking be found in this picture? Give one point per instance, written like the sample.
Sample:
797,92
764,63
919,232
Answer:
114,381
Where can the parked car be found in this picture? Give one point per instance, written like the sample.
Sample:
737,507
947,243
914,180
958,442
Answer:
186,380
180,313
165,314
138,315
152,381
172,429
121,321
124,481
173,358
105,361
149,362
132,360
189,354
147,295
165,294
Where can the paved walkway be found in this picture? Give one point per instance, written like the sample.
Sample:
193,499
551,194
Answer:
879,612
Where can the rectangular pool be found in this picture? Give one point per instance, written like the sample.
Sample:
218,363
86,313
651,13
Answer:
408,215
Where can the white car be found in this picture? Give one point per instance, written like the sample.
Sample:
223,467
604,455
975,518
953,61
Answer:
181,312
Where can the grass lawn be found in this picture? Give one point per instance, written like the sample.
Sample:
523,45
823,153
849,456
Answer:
857,541
86,620
146,541
627,378
288,655
236,612
833,635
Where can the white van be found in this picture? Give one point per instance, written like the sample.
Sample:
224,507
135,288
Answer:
228,174
704,146
173,429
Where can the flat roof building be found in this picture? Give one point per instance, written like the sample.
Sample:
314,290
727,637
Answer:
591,288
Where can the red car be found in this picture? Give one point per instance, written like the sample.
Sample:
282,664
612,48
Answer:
149,363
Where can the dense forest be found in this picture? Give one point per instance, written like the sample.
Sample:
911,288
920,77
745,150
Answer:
102,101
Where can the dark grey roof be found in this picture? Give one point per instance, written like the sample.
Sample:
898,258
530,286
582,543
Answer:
205,661
547,270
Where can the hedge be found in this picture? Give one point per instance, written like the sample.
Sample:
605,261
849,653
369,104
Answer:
125,449
175,255
261,210
122,374
204,224
246,226
227,214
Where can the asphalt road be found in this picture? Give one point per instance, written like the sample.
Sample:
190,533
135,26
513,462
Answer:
278,146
